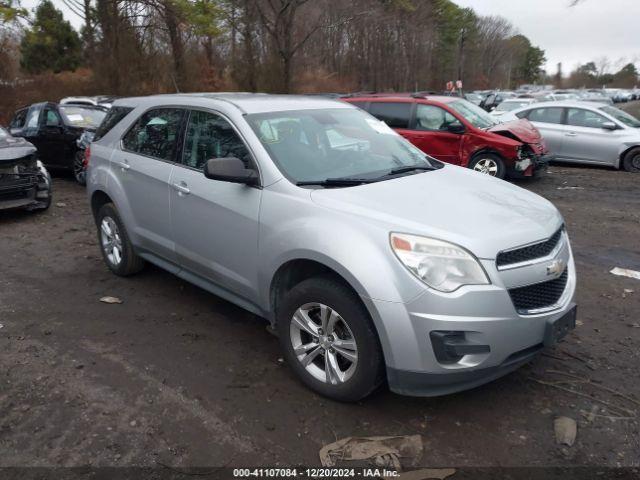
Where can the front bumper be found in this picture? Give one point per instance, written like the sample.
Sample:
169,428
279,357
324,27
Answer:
485,315
531,166
25,190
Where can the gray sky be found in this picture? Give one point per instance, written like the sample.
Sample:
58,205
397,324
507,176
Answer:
588,31
576,35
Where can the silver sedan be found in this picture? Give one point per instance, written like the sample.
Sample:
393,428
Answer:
587,133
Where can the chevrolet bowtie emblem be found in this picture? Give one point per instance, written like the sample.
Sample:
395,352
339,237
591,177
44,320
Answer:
556,267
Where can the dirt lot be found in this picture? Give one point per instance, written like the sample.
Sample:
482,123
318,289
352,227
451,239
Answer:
175,376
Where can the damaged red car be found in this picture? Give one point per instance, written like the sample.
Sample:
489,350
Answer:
456,131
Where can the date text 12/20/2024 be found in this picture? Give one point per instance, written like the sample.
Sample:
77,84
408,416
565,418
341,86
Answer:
314,473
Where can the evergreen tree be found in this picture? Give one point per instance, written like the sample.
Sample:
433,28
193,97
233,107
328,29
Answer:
51,43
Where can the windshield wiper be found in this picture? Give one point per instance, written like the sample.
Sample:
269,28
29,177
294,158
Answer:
336,182
409,168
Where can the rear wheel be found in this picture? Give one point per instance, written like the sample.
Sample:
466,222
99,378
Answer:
631,160
489,164
117,250
329,340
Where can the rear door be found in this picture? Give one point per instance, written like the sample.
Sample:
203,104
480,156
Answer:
549,122
430,133
215,223
143,167
586,141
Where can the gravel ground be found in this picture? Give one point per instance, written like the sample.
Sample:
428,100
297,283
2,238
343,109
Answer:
176,376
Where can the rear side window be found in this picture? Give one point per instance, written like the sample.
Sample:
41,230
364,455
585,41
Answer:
111,120
155,134
396,115
19,119
34,115
546,115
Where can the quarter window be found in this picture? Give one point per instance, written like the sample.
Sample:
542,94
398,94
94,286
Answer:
432,118
546,115
396,115
155,134
211,136
579,117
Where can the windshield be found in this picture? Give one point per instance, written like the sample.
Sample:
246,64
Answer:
473,114
315,145
623,117
79,116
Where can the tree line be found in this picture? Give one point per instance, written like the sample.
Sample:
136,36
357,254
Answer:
142,46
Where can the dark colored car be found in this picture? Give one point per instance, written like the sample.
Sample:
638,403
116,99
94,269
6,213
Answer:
24,181
456,131
492,100
55,130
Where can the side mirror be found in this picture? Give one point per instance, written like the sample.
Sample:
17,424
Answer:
456,128
230,169
609,126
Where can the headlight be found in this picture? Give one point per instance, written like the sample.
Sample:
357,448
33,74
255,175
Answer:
441,265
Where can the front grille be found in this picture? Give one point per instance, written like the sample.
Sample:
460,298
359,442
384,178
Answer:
530,252
539,295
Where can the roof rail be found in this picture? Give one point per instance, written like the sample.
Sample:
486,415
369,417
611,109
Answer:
359,94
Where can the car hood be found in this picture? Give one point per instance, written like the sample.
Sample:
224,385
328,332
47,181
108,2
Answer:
521,129
13,148
479,212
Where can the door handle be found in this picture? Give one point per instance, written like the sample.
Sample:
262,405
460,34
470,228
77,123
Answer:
124,165
182,188
571,134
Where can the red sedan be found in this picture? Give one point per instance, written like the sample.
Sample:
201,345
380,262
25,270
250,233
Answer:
456,131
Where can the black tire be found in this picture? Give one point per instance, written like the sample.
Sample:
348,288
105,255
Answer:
631,160
79,171
478,162
368,372
129,263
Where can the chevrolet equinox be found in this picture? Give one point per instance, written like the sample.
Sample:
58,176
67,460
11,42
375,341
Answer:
372,261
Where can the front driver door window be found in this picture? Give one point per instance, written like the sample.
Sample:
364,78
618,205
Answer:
215,223
431,134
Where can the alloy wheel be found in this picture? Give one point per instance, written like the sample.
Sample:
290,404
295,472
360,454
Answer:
323,343
78,169
111,240
487,166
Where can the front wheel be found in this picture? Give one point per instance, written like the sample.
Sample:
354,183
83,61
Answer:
329,340
631,161
489,164
79,171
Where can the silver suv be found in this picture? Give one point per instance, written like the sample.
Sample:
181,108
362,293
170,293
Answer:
373,262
